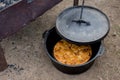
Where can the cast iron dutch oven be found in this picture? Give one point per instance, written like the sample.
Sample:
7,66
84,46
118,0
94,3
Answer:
91,29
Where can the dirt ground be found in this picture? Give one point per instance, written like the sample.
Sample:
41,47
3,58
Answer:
26,55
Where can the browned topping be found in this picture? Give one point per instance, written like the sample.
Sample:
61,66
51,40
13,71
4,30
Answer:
72,54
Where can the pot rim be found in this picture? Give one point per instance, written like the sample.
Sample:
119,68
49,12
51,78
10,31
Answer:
53,59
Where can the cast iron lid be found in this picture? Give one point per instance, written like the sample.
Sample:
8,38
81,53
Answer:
93,26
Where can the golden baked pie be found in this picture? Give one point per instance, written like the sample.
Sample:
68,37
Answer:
71,54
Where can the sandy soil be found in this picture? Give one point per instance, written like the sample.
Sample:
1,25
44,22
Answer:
26,55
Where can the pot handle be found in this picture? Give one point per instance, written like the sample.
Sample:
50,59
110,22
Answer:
45,34
101,50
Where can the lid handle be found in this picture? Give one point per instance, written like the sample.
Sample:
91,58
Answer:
82,9
75,2
81,21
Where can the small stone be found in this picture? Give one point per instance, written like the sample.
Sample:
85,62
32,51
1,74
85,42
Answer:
114,34
13,43
11,65
20,69
15,68
14,48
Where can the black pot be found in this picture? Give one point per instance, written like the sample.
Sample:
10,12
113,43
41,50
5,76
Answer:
51,38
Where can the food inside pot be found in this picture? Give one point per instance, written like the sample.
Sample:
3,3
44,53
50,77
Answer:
71,54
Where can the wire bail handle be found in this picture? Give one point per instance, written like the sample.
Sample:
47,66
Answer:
80,21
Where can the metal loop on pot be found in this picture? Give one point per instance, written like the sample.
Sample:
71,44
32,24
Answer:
101,49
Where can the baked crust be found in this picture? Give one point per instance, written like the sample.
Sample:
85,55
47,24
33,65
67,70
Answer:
71,54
